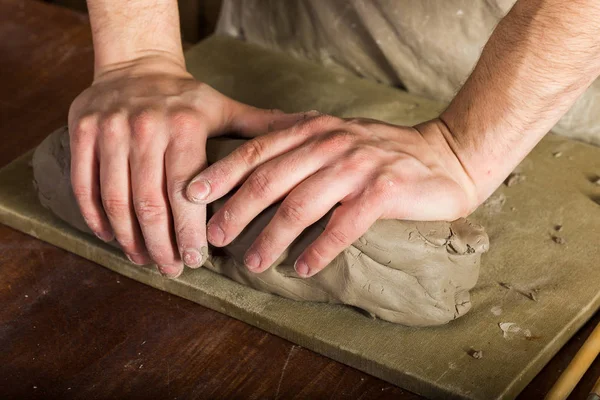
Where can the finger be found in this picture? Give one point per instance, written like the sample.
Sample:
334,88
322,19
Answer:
115,189
150,195
265,186
85,178
305,205
184,157
249,121
221,177
348,222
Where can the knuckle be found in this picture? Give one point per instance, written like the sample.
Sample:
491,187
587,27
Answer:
85,125
336,141
337,237
112,127
111,122
315,254
83,130
143,125
116,207
251,152
258,183
316,124
149,210
292,211
321,120
184,121
81,192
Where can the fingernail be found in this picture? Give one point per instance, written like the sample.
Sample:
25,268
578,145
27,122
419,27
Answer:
252,260
170,271
192,258
215,234
302,268
105,236
199,190
137,259
311,113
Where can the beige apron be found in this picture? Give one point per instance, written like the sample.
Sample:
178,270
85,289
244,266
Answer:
428,47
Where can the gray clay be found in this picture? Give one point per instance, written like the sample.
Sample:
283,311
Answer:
412,273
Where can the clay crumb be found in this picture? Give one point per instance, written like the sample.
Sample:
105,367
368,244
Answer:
495,203
558,228
476,354
557,154
558,239
496,310
514,178
532,295
510,330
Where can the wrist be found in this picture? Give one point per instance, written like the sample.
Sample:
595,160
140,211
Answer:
440,139
150,62
127,32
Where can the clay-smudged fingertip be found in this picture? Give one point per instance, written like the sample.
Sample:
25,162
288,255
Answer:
170,272
194,258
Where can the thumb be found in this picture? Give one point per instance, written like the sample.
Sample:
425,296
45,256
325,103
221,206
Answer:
248,121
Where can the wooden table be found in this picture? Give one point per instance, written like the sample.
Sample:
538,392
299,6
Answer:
70,328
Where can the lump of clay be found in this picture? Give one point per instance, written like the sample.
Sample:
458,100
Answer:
412,273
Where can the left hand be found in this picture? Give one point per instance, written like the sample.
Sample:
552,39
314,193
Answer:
374,170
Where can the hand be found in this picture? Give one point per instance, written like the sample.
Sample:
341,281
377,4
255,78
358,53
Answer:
138,135
370,169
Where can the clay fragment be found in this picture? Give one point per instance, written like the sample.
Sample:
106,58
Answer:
477,354
513,179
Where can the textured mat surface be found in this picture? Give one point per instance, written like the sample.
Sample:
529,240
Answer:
534,292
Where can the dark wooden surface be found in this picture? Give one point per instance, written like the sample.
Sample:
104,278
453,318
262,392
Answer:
72,329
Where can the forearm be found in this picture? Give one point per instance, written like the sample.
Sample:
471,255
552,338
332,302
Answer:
125,32
540,58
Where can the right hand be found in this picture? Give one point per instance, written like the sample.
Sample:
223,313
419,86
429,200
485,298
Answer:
138,135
